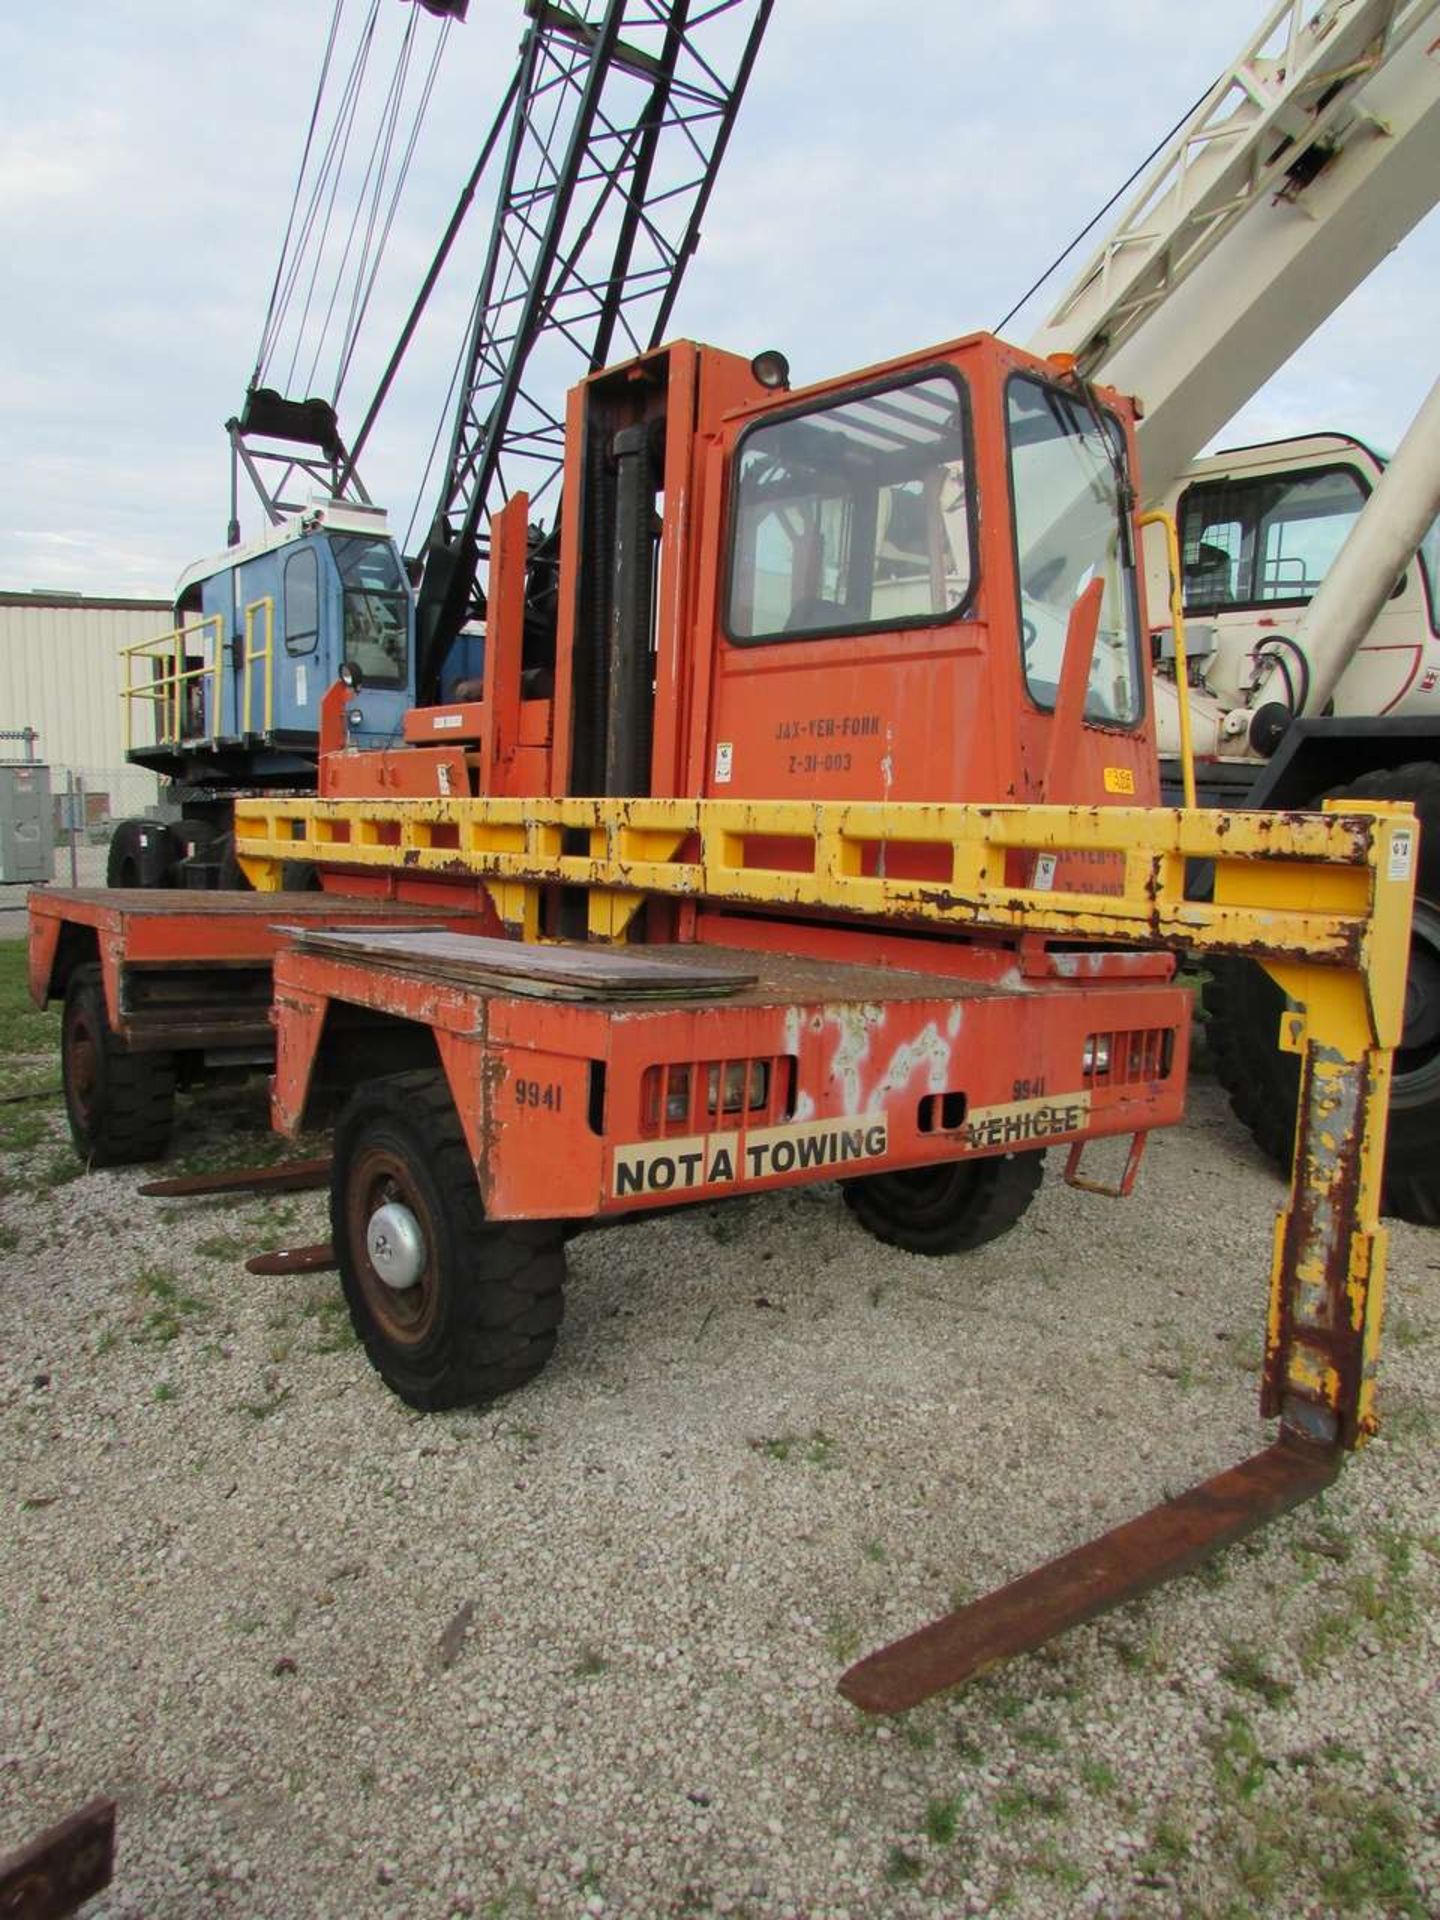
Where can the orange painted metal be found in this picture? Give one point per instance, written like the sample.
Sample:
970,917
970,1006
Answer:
550,1093
504,646
462,720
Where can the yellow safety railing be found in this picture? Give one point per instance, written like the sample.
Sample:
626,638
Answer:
1182,660
259,656
162,671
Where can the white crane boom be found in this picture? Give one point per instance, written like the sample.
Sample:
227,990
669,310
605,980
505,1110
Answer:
1307,162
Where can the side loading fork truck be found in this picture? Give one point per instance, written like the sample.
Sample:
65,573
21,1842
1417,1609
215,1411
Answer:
832,851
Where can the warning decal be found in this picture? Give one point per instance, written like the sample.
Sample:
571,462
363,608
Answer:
724,1159
1026,1122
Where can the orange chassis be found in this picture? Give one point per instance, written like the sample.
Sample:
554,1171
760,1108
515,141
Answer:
815,1070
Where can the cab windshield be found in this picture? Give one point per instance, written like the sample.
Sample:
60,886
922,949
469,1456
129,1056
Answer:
377,622
854,515
1072,527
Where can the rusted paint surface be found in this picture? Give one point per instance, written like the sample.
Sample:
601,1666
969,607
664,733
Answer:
1315,1342
1170,1539
61,1868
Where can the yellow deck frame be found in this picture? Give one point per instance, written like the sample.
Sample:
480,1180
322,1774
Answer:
1322,900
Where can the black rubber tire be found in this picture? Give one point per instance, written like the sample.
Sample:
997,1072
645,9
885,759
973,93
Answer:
231,876
121,1106
488,1305
1243,1007
950,1208
141,854
299,876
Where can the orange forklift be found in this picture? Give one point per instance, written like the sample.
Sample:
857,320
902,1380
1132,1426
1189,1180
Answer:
805,828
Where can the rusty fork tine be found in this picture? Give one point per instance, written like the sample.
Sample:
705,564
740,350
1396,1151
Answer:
1170,1539
290,1176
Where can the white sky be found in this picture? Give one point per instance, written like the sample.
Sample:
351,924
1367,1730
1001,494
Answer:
898,176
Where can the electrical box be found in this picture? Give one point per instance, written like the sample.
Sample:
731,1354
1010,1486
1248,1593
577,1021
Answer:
27,831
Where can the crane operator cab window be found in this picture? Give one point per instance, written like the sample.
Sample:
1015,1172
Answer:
854,515
1072,525
377,608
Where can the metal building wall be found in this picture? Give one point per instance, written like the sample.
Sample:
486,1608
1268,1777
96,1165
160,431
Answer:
60,673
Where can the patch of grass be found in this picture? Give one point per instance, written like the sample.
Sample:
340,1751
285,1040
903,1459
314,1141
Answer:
815,1449
1375,1871
1169,1847
590,1664
941,1821
165,1320
23,1028
1097,1775
23,1128
1404,1333
902,1869
58,1171
1037,1739
1026,1803
874,1552
106,1340
1382,1602
919,1738
9,1239
1240,1766
166,1391
842,1639
334,1329
262,1409
1049,1863
1245,1669
223,1246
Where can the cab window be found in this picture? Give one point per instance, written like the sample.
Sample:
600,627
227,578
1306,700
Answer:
377,609
1265,541
854,515
1072,526
302,601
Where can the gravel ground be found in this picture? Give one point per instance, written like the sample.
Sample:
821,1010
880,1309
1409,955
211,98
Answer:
576,1655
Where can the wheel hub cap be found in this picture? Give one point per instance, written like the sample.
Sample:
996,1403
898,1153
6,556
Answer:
396,1245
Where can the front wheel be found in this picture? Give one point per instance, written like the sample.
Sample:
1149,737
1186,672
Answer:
950,1208
451,1308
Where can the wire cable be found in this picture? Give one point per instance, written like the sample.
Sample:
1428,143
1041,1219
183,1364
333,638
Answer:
376,166
361,60
260,352
362,306
1090,226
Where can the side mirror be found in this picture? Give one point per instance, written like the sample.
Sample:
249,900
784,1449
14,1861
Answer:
351,676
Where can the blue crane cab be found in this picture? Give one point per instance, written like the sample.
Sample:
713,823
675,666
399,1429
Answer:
231,696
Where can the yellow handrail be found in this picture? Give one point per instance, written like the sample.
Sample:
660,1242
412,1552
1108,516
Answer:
165,690
1182,666
253,656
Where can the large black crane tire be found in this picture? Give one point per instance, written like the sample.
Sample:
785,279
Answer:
121,1105
1243,1007
953,1207
141,854
453,1309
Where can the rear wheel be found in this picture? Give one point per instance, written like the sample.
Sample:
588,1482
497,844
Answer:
950,1208
452,1309
121,1105
141,855
1243,1007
